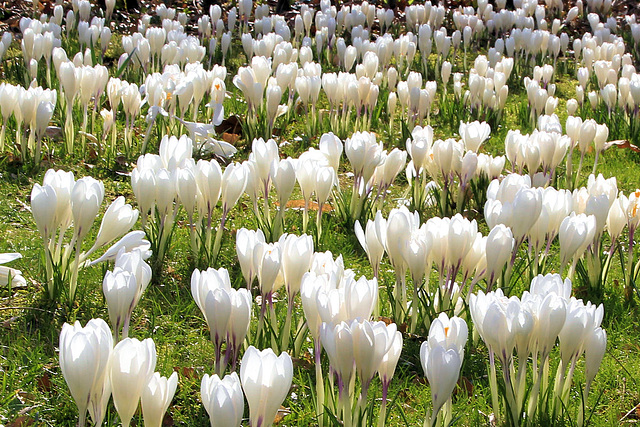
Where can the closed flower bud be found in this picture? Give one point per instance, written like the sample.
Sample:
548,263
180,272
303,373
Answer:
156,397
223,399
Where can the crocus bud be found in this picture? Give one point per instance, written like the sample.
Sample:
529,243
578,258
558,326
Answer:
111,4
469,167
274,95
86,199
442,367
499,248
266,379
338,343
117,220
617,217
325,181
120,290
390,359
371,342
234,181
392,103
296,260
223,399
246,242
373,239
446,72
165,191
393,164
266,260
132,365
587,134
132,241
600,139
187,189
350,55
156,397
238,327
84,362
576,233
364,153
392,78
210,290
43,197
44,113
595,346
474,134
284,180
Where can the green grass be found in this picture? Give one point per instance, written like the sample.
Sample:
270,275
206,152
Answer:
31,383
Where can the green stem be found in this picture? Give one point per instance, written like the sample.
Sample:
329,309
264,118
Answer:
73,283
286,333
319,385
218,241
493,382
2,136
414,309
345,403
305,216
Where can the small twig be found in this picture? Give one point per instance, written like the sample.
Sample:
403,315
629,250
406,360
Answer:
24,205
630,412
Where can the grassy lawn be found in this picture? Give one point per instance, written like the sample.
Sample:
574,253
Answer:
33,390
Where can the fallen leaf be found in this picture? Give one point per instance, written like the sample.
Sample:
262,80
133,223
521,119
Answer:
167,421
231,138
387,320
55,133
231,124
7,323
13,158
464,385
302,363
44,383
622,143
92,153
282,412
121,160
25,397
186,372
89,136
21,421
313,206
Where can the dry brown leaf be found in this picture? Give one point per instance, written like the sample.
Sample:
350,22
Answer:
302,363
186,372
231,124
464,385
386,320
622,143
167,421
231,138
44,382
299,204
282,412
21,421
